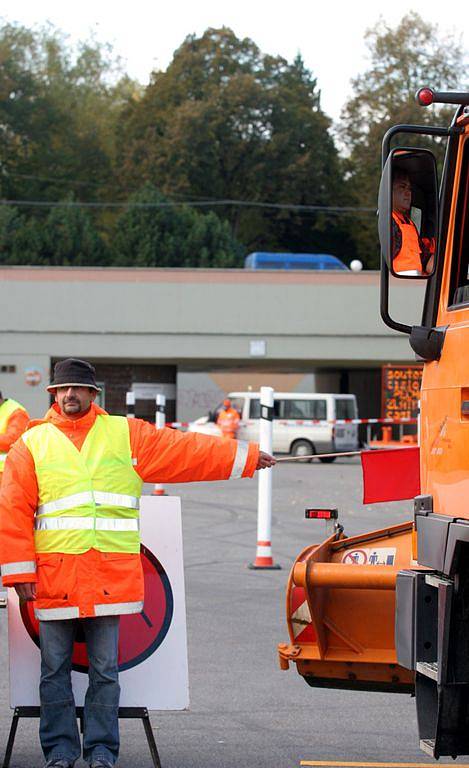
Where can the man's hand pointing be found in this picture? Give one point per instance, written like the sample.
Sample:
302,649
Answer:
265,460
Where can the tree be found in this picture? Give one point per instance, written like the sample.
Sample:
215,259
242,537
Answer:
154,233
57,114
20,237
67,236
402,59
227,122
70,238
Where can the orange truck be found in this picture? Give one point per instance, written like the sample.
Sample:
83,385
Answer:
389,610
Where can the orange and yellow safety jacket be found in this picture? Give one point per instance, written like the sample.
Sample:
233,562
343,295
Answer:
13,421
69,505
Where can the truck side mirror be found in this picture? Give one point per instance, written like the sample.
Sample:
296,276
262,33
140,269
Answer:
408,213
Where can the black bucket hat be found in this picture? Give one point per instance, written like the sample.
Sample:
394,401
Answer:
73,373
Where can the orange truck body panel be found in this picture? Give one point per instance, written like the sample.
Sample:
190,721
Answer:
445,384
341,616
350,619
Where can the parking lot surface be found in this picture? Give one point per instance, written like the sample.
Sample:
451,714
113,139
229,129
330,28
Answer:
244,711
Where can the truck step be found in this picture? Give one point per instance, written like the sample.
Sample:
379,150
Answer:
428,746
428,668
436,581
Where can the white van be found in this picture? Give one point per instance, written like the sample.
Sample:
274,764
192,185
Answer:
294,432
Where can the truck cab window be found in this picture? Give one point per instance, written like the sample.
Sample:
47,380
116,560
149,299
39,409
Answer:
459,290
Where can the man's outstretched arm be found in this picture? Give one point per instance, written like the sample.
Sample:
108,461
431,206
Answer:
167,456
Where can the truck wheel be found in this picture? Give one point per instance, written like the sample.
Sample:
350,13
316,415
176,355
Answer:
302,448
327,459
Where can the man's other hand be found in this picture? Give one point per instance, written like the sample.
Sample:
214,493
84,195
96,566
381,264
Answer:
26,591
265,460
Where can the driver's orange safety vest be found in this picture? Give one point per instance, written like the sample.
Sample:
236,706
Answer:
409,256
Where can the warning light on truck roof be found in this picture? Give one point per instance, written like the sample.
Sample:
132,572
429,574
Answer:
321,514
425,97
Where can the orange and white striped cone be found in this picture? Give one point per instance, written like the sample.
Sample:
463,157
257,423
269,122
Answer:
160,421
264,557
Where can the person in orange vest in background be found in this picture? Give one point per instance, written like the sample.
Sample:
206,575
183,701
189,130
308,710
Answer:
412,255
14,419
228,420
69,540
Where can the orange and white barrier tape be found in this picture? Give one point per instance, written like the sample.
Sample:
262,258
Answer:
308,422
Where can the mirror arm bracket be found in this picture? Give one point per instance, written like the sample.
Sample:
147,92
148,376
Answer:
426,130
427,343
384,305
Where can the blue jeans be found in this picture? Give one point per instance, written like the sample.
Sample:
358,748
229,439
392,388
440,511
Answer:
58,729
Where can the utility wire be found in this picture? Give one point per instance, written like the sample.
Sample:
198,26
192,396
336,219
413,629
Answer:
192,203
96,184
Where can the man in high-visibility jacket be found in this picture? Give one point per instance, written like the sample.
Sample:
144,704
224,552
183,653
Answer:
411,254
14,419
228,420
69,539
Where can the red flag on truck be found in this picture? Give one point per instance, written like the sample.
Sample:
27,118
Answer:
390,475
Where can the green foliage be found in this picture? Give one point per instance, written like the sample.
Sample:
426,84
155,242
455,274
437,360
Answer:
66,237
170,236
402,59
58,114
70,238
225,121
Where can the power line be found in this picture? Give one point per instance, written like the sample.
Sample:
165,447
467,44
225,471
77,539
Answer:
96,184
193,204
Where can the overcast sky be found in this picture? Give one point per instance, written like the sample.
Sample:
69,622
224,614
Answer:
329,35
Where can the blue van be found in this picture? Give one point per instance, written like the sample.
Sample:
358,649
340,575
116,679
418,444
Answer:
266,260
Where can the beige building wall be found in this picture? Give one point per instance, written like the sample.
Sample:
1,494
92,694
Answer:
231,326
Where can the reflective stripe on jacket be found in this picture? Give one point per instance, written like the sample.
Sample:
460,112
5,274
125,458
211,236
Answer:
409,256
96,583
10,428
88,498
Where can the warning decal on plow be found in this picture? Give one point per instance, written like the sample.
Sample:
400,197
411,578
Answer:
370,556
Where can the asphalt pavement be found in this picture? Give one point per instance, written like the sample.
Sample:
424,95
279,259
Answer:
244,710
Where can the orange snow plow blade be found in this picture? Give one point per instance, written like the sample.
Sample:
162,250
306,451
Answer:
340,611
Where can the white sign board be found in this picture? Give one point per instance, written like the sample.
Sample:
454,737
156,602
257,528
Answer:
153,645
149,391
257,348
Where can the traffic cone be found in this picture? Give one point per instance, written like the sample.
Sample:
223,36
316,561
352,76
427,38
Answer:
264,557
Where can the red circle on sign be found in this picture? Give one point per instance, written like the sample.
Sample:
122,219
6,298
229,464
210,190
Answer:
360,559
140,634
